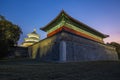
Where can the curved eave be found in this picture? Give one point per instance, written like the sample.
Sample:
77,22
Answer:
45,27
33,34
32,38
30,42
76,21
88,27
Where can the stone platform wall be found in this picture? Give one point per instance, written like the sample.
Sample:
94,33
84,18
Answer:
81,49
69,47
45,50
18,52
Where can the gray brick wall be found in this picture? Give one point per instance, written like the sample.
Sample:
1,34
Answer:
77,49
18,52
81,49
45,50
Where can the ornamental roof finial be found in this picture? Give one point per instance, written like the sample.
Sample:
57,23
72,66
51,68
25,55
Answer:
34,29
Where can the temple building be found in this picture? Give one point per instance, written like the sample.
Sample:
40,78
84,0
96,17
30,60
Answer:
32,38
70,40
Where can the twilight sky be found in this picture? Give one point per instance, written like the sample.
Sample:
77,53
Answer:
102,15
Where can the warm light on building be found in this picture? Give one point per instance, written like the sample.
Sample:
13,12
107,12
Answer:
32,38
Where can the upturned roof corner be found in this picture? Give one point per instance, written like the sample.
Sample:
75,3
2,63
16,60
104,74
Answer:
63,15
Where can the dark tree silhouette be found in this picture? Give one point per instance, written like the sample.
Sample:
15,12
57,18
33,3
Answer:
9,35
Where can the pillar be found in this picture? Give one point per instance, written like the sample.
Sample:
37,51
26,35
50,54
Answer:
62,51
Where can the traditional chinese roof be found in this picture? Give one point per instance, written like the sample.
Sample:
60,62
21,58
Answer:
32,38
64,22
33,34
69,19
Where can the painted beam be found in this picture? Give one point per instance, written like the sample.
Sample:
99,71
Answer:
74,32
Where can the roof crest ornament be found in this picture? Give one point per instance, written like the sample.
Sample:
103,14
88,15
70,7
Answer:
34,30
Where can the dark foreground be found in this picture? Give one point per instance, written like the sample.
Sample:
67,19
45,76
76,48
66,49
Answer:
98,70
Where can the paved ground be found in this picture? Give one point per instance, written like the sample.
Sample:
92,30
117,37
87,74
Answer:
98,70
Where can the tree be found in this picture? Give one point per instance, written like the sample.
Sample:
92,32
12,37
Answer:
9,35
117,46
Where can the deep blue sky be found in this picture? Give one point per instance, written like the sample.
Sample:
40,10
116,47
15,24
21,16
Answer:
102,15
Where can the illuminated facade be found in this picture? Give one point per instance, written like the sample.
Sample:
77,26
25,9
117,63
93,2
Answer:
32,38
71,40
